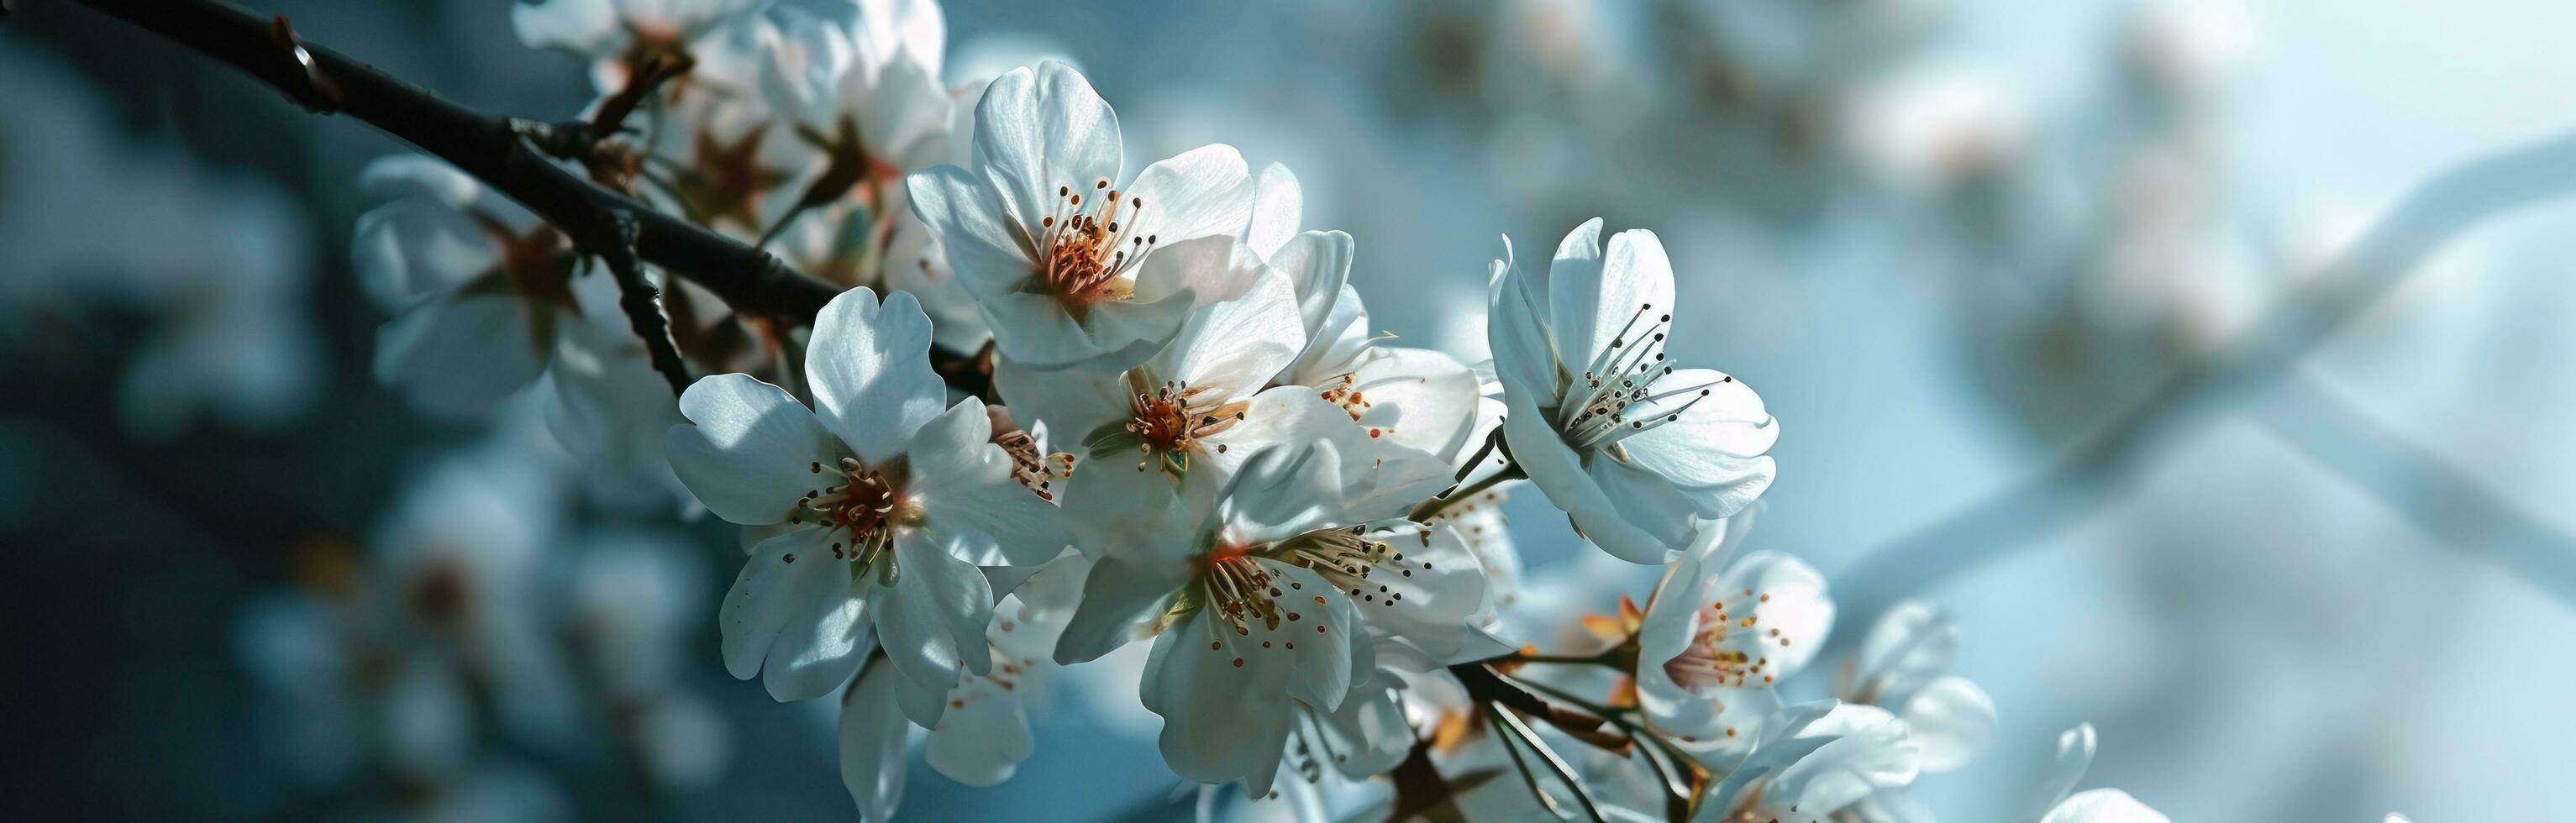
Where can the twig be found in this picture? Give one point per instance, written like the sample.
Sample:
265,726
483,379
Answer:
1505,720
643,304
2432,214
487,147
2446,504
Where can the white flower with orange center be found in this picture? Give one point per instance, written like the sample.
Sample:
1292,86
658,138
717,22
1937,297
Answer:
881,505
1261,595
1711,644
1053,247
1642,455
1178,424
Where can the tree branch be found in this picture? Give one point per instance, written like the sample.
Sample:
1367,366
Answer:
642,303
485,146
2434,213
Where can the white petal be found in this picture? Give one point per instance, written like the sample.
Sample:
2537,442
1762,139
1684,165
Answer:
984,249
416,247
935,610
2103,806
1233,348
1418,398
1646,502
1339,345
870,369
1201,192
1035,330
1318,266
1037,130
579,25
1714,448
1120,597
982,742
1911,646
967,493
1556,471
1369,735
1794,607
463,354
1868,751
1323,657
1526,359
1441,583
1951,719
2074,755
816,652
751,454
787,578
1223,698
1634,283
1278,207
908,106
873,756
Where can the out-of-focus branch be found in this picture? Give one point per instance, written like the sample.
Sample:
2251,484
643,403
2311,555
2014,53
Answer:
2447,504
485,146
2433,213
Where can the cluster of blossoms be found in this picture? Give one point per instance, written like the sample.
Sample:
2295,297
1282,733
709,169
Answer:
1060,410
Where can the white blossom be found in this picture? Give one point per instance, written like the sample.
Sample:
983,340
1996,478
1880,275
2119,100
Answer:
887,503
1282,547
1054,249
1640,453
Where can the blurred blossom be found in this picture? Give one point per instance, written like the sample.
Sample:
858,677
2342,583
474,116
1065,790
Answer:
220,285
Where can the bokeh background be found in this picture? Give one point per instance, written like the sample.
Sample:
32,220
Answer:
1952,243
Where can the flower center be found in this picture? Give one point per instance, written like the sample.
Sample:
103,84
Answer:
1617,396
1086,251
869,505
1348,558
1727,651
1166,422
1033,469
536,263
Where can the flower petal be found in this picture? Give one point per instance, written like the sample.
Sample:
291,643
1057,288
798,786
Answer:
1951,719
1419,398
786,579
1121,596
416,247
983,247
1278,207
2103,806
873,756
934,611
817,652
1556,471
1040,129
1634,282
1223,698
462,355
1233,348
1197,193
1317,265
870,369
970,499
982,742
751,454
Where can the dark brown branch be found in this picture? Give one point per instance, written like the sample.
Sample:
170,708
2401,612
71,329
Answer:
487,147
643,304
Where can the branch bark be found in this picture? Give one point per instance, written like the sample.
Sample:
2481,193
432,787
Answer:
485,146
